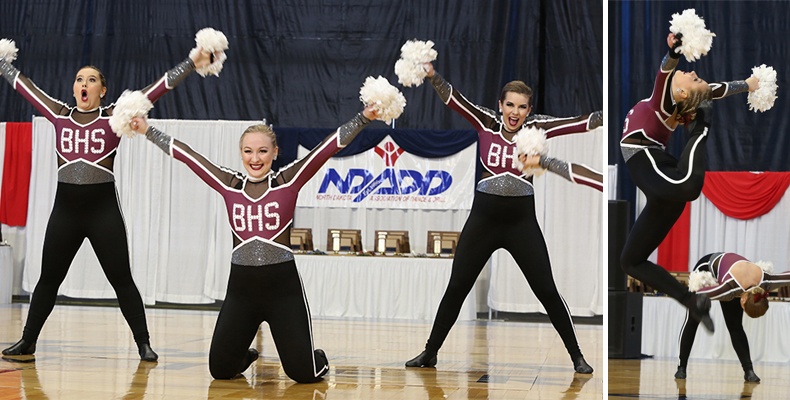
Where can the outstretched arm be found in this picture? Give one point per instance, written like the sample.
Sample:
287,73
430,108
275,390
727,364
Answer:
216,176
720,90
479,117
46,105
177,74
299,172
576,173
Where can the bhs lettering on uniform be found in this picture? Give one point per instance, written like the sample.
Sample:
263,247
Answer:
90,140
245,217
498,156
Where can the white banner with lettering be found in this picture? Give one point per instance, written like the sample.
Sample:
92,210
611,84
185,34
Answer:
388,177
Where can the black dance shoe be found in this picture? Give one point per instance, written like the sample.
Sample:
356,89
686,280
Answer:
750,376
581,366
322,356
252,355
681,373
20,348
425,359
699,307
146,352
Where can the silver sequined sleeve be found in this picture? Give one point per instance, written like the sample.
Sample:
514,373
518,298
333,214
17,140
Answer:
159,138
441,86
556,166
179,72
669,63
348,131
595,120
9,71
720,90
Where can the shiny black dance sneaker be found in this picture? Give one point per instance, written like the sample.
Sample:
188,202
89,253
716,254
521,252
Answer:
424,360
750,376
146,352
20,348
699,307
321,355
252,355
681,373
581,366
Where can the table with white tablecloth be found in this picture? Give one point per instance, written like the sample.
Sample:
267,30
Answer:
663,318
378,287
6,273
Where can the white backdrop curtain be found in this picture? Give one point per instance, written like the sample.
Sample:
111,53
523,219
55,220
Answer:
180,244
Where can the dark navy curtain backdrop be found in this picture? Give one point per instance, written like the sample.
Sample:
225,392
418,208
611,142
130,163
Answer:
300,64
748,33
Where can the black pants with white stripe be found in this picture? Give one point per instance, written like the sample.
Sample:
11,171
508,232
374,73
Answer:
274,294
733,317
668,184
497,222
80,212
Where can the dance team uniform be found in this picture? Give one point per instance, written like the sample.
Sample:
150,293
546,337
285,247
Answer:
503,216
667,183
86,203
728,292
264,284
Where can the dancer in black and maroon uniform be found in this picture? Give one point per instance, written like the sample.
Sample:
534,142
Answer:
739,285
86,202
503,213
678,97
264,284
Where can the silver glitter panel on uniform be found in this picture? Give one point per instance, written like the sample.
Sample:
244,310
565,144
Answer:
9,71
506,185
442,87
669,63
596,120
159,138
737,87
630,150
179,72
82,173
348,131
559,167
257,253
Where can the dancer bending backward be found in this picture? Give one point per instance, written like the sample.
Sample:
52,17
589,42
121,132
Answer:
503,213
739,285
669,183
264,284
86,202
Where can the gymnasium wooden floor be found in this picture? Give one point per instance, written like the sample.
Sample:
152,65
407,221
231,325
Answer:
88,353
707,379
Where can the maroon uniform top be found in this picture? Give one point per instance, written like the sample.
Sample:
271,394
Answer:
498,152
728,288
85,144
260,213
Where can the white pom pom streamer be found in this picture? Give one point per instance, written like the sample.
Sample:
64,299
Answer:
387,99
763,98
531,141
766,266
701,279
696,39
413,54
213,41
8,50
131,104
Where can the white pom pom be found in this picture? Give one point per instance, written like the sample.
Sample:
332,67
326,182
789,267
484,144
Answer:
763,98
129,105
701,279
213,41
409,68
531,141
388,100
8,50
766,266
696,39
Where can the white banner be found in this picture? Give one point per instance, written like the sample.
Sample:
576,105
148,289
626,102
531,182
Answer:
388,177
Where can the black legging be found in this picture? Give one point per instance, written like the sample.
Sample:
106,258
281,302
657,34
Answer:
509,223
668,186
271,293
733,317
92,212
